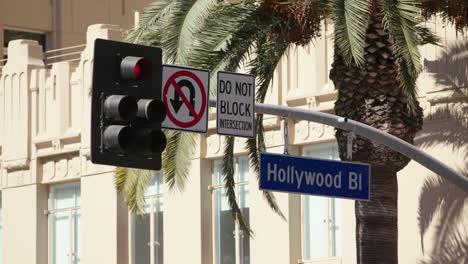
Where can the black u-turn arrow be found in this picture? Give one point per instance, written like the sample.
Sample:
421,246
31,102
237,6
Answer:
176,102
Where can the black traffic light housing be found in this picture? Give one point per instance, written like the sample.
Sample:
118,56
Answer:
126,110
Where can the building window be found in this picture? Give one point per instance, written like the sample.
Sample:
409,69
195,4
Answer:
321,215
147,229
232,245
64,223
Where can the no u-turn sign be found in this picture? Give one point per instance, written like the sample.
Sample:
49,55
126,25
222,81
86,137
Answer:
185,95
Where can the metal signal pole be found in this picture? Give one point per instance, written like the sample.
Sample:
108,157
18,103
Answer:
369,132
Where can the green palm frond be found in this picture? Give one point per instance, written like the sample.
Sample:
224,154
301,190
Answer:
172,25
426,36
230,184
133,183
268,55
177,158
194,20
351,18
228,36
214,42
185,19
180,145
152,15
223,42
401,18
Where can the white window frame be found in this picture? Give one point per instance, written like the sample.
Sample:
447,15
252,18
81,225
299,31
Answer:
71,218
329,223
238,232
153,243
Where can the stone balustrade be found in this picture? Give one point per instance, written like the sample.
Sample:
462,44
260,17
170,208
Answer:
45,114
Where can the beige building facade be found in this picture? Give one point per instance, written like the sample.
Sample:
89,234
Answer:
59,208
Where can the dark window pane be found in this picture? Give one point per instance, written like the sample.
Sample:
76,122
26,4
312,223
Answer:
224,230
142,239
9,35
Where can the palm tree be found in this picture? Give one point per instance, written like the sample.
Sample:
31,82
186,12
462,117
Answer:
376,86
375,67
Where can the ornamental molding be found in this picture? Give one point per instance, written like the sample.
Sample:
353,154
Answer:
310,132
18,178
274,138
61,168
46,147
18,164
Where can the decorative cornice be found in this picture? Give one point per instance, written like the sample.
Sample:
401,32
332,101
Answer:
18,164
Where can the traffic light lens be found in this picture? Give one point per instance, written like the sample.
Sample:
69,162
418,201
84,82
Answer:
120,107
143,69
137,71
125,138
118,138
135,68
157,141
128,108
151,110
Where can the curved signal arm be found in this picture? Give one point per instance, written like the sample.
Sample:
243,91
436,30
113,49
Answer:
369,132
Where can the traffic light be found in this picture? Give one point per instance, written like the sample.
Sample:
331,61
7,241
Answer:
126,110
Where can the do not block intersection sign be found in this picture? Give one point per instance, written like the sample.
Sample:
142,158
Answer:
235,104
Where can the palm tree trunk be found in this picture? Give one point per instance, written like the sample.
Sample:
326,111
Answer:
377,220
372,95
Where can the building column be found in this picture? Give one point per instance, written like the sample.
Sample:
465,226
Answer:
104,221
187,218
24,200
272,233
25,224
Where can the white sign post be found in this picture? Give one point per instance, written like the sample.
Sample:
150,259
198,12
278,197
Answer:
185,95
235,104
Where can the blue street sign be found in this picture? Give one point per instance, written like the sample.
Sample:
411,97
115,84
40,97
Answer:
314,176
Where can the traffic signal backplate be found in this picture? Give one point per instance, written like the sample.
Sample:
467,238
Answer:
126,110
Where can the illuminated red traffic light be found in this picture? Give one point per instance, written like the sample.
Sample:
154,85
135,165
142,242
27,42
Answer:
135,68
